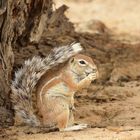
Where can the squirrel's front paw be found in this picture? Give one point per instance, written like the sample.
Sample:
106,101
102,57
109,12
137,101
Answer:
92,76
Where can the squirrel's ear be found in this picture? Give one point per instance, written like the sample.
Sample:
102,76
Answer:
72,60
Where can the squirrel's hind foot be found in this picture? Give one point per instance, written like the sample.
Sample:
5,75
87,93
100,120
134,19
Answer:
75,127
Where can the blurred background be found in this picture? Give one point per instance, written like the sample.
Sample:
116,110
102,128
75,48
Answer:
121,16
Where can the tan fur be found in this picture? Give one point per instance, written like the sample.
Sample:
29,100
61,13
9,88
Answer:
55,90
28,76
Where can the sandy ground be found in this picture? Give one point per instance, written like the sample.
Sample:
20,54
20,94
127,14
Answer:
89,134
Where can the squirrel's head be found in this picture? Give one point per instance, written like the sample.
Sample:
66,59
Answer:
82,65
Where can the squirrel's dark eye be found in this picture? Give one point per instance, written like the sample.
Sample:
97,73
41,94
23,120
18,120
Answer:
82,62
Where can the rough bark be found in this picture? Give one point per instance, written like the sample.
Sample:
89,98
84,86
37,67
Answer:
21,22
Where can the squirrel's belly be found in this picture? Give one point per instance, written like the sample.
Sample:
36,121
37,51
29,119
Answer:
54,106
55,102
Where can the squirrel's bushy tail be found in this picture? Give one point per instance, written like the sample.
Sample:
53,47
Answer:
27,77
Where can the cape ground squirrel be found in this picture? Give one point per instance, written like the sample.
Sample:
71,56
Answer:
55,90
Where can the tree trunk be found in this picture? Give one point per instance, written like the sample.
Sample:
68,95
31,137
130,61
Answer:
21,22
